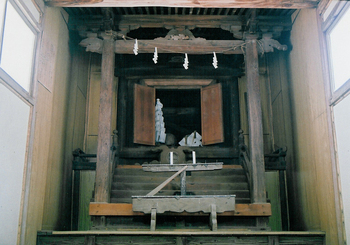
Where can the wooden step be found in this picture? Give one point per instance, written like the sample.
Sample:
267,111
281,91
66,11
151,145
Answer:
173,185
128,200
129,193
133,181
196,179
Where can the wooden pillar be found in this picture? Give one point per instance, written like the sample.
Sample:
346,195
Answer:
104,157
256,149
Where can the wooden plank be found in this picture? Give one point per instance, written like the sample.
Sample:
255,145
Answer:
103,165
144,115
187,232
179,83
125,209
140,167
178,204
291,4
256,147
212,118
201,152
225,22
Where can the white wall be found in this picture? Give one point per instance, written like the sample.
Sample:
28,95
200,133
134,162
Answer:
342,128
14,121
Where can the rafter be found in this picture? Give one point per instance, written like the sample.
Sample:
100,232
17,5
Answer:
283,4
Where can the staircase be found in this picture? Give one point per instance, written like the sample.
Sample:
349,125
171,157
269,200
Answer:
131,180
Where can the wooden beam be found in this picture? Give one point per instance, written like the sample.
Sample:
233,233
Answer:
284,4
125,209
256,148
180,46
169,21
104,156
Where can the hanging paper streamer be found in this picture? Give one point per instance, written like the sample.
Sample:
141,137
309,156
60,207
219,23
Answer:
136,47
155,56
186,62
215,61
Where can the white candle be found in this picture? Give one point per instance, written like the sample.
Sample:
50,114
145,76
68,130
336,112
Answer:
171,158
194,157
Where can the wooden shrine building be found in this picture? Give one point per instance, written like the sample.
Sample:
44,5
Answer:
174,122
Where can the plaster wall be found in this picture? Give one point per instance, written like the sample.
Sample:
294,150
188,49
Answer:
14,122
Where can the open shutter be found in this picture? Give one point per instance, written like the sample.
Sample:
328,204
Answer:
211,108
144,115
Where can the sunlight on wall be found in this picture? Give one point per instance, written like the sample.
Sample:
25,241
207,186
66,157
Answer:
14,120
340,50
342,122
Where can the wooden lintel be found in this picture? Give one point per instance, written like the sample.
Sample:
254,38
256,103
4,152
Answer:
180,46
283,4
226,22
125,209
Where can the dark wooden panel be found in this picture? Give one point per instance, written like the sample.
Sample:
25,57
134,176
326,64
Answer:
212,123
144,115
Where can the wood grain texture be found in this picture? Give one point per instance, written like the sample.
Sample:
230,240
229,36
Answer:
312,178
125,209
212,118
103,165
144,115
180,46
256,148
287,4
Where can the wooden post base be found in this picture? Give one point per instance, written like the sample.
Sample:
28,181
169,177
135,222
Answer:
153,219
213,218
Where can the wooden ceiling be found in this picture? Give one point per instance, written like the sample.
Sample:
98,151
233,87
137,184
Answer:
283,4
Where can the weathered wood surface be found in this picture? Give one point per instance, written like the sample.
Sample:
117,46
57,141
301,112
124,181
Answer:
104,156
136,182
212,117
285,4
177,167
180,46
144,115
256,148
177,83
201,152
179,204
226,22
206,237
125,209
167,181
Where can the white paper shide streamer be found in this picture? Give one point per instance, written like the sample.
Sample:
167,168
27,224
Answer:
215,61
136,47
155,56
186,62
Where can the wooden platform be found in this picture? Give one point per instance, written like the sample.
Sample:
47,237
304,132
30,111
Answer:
179,237
125,209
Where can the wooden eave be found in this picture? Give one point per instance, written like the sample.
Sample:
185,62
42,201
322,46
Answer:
279,4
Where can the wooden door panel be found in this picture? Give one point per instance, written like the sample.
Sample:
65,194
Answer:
212,119
144,115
